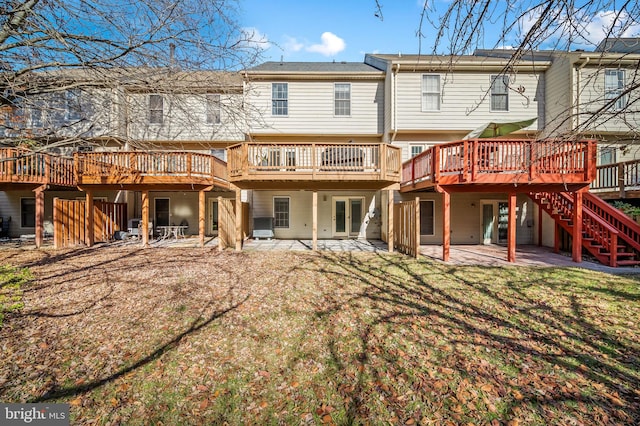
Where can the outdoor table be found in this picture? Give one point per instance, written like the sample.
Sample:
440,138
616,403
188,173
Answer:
175,231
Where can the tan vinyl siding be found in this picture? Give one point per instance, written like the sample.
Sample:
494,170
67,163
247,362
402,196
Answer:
558,98
465,102
301,216
592,98
311,108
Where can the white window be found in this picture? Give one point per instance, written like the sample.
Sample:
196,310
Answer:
427,226
613,89
220,153
416,149
27,212
279,98
499,93
281,212
342,99
213,109
156,109
72,105
430,92
607,155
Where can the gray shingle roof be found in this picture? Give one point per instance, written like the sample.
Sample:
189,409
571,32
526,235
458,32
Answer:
328,67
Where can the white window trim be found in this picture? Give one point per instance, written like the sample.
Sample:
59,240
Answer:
334,100
493,77
272,99
213,102
424,92
273,205
35,213
411,146
433,218
623,100
155,123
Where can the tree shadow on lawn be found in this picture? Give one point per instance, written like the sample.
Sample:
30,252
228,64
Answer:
547,341
69,334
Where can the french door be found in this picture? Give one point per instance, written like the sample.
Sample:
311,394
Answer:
347,216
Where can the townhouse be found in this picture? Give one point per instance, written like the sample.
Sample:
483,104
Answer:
326,150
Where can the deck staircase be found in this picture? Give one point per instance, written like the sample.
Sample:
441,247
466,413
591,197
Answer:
607,234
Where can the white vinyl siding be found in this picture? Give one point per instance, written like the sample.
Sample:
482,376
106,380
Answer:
499,93
613,88
342,99
314,111
281,212
213,109
279,99
156,109
73,108
430,92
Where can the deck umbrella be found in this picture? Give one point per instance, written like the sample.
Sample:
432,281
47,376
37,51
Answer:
495,129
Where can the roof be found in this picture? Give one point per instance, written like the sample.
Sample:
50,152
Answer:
619,45
310,67
415,62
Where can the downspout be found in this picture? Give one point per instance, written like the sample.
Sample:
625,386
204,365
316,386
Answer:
577,105
395,103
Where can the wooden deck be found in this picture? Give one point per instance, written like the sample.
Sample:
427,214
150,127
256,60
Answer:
487,165
20,168
155,170
313,165
618,180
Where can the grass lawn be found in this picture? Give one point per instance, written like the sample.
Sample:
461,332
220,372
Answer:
193,336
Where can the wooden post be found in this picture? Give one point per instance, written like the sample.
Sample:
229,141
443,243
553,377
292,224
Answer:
621,180
201,209
446,225
417,228
89,214
222,229
390,220
145,218
39,216
315,221
540,218
511,228
576,246
238,219
556,238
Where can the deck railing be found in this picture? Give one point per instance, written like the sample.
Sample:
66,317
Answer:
272,159
168,164
618,176
468,160
25,166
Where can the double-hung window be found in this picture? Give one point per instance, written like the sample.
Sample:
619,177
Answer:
499,93
613,89
281,212
279,98
430,92
156,109
213,109
342,99
416,149
72,104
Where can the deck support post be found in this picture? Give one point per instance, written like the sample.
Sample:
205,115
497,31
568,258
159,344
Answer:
390,220
511,228
145,218
222,229
90,232
446,225
201,208
417,227
576,245
238,219
39,192
540,218
556,238
314,231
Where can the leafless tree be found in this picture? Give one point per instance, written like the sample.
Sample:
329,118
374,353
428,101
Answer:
70,70
533,28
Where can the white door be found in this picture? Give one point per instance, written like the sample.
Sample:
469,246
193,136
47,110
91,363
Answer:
348,216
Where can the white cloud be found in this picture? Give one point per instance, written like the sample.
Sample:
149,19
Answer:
331,44
252,37
291,44
600,25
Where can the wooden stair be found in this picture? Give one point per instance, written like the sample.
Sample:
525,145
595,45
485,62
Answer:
607,234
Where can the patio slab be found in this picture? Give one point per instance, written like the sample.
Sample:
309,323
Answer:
323,245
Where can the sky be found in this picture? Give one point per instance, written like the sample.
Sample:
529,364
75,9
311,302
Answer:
301,30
